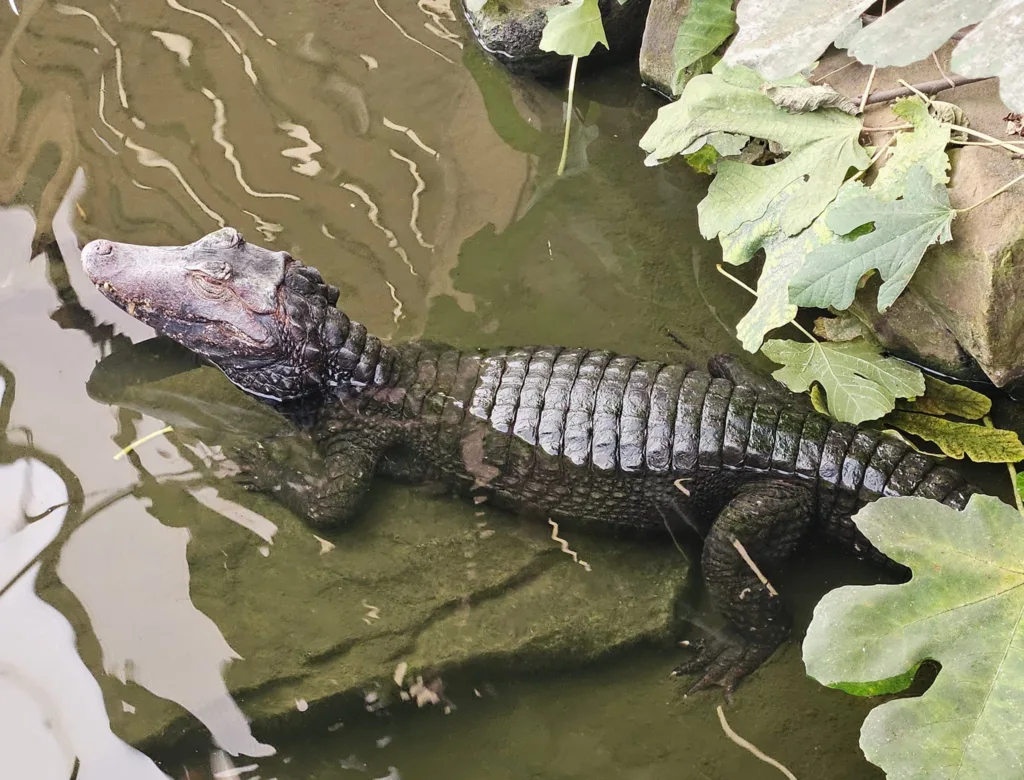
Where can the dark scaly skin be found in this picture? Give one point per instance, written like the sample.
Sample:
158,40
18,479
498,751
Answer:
611,442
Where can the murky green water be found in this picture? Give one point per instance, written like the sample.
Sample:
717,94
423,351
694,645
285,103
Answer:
370,139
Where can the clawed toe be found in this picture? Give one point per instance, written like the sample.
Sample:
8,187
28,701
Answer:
723,662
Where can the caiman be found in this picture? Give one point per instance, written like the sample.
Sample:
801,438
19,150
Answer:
612,442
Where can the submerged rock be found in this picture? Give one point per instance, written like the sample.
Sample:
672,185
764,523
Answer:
418,588
511,31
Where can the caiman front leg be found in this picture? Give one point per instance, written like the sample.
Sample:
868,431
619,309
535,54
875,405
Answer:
769,519
322,482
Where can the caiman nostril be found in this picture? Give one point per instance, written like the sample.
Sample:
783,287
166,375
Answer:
102,247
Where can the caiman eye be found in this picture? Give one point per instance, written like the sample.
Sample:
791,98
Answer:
208,286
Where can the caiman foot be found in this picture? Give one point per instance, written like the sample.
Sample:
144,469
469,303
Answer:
724,661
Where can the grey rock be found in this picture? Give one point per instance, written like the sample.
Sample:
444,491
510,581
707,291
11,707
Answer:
657,61
962,312
511,30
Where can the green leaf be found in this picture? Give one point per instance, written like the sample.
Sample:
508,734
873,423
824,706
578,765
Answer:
704,160
926,146
706,26
573,29
682,77
944,398
784,256
962,608
818,400
823,146
904,229
956,439
860,383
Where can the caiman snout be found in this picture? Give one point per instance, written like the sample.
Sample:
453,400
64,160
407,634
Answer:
100,247
96,257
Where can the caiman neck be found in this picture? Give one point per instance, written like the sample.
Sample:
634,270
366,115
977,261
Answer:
360,363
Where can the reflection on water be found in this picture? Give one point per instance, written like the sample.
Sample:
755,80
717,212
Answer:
52,712
148,597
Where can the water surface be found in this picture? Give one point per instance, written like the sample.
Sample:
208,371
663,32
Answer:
370,139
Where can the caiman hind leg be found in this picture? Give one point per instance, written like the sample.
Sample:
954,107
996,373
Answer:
768,519
322,483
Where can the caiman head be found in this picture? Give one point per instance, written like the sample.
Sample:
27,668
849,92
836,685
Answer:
266,320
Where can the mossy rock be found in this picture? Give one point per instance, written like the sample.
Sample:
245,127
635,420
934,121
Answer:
420,579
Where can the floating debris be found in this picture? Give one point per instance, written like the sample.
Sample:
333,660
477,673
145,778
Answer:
325,546
400,671
372,614
143,440
749,746
565,545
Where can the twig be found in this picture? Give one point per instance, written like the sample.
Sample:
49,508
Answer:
753,567
751,748
867,89
926,88
874,70
877,155
935,58
1013,472
834,72
907,85
753,292
987,198
568,115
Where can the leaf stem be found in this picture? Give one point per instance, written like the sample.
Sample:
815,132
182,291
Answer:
877,155
890,128
987,198
983,136
753,292
1013,472
568,115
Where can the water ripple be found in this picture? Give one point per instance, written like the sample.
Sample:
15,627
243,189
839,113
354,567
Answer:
247,63
411,135
420,187
406,35
219,123
373,214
